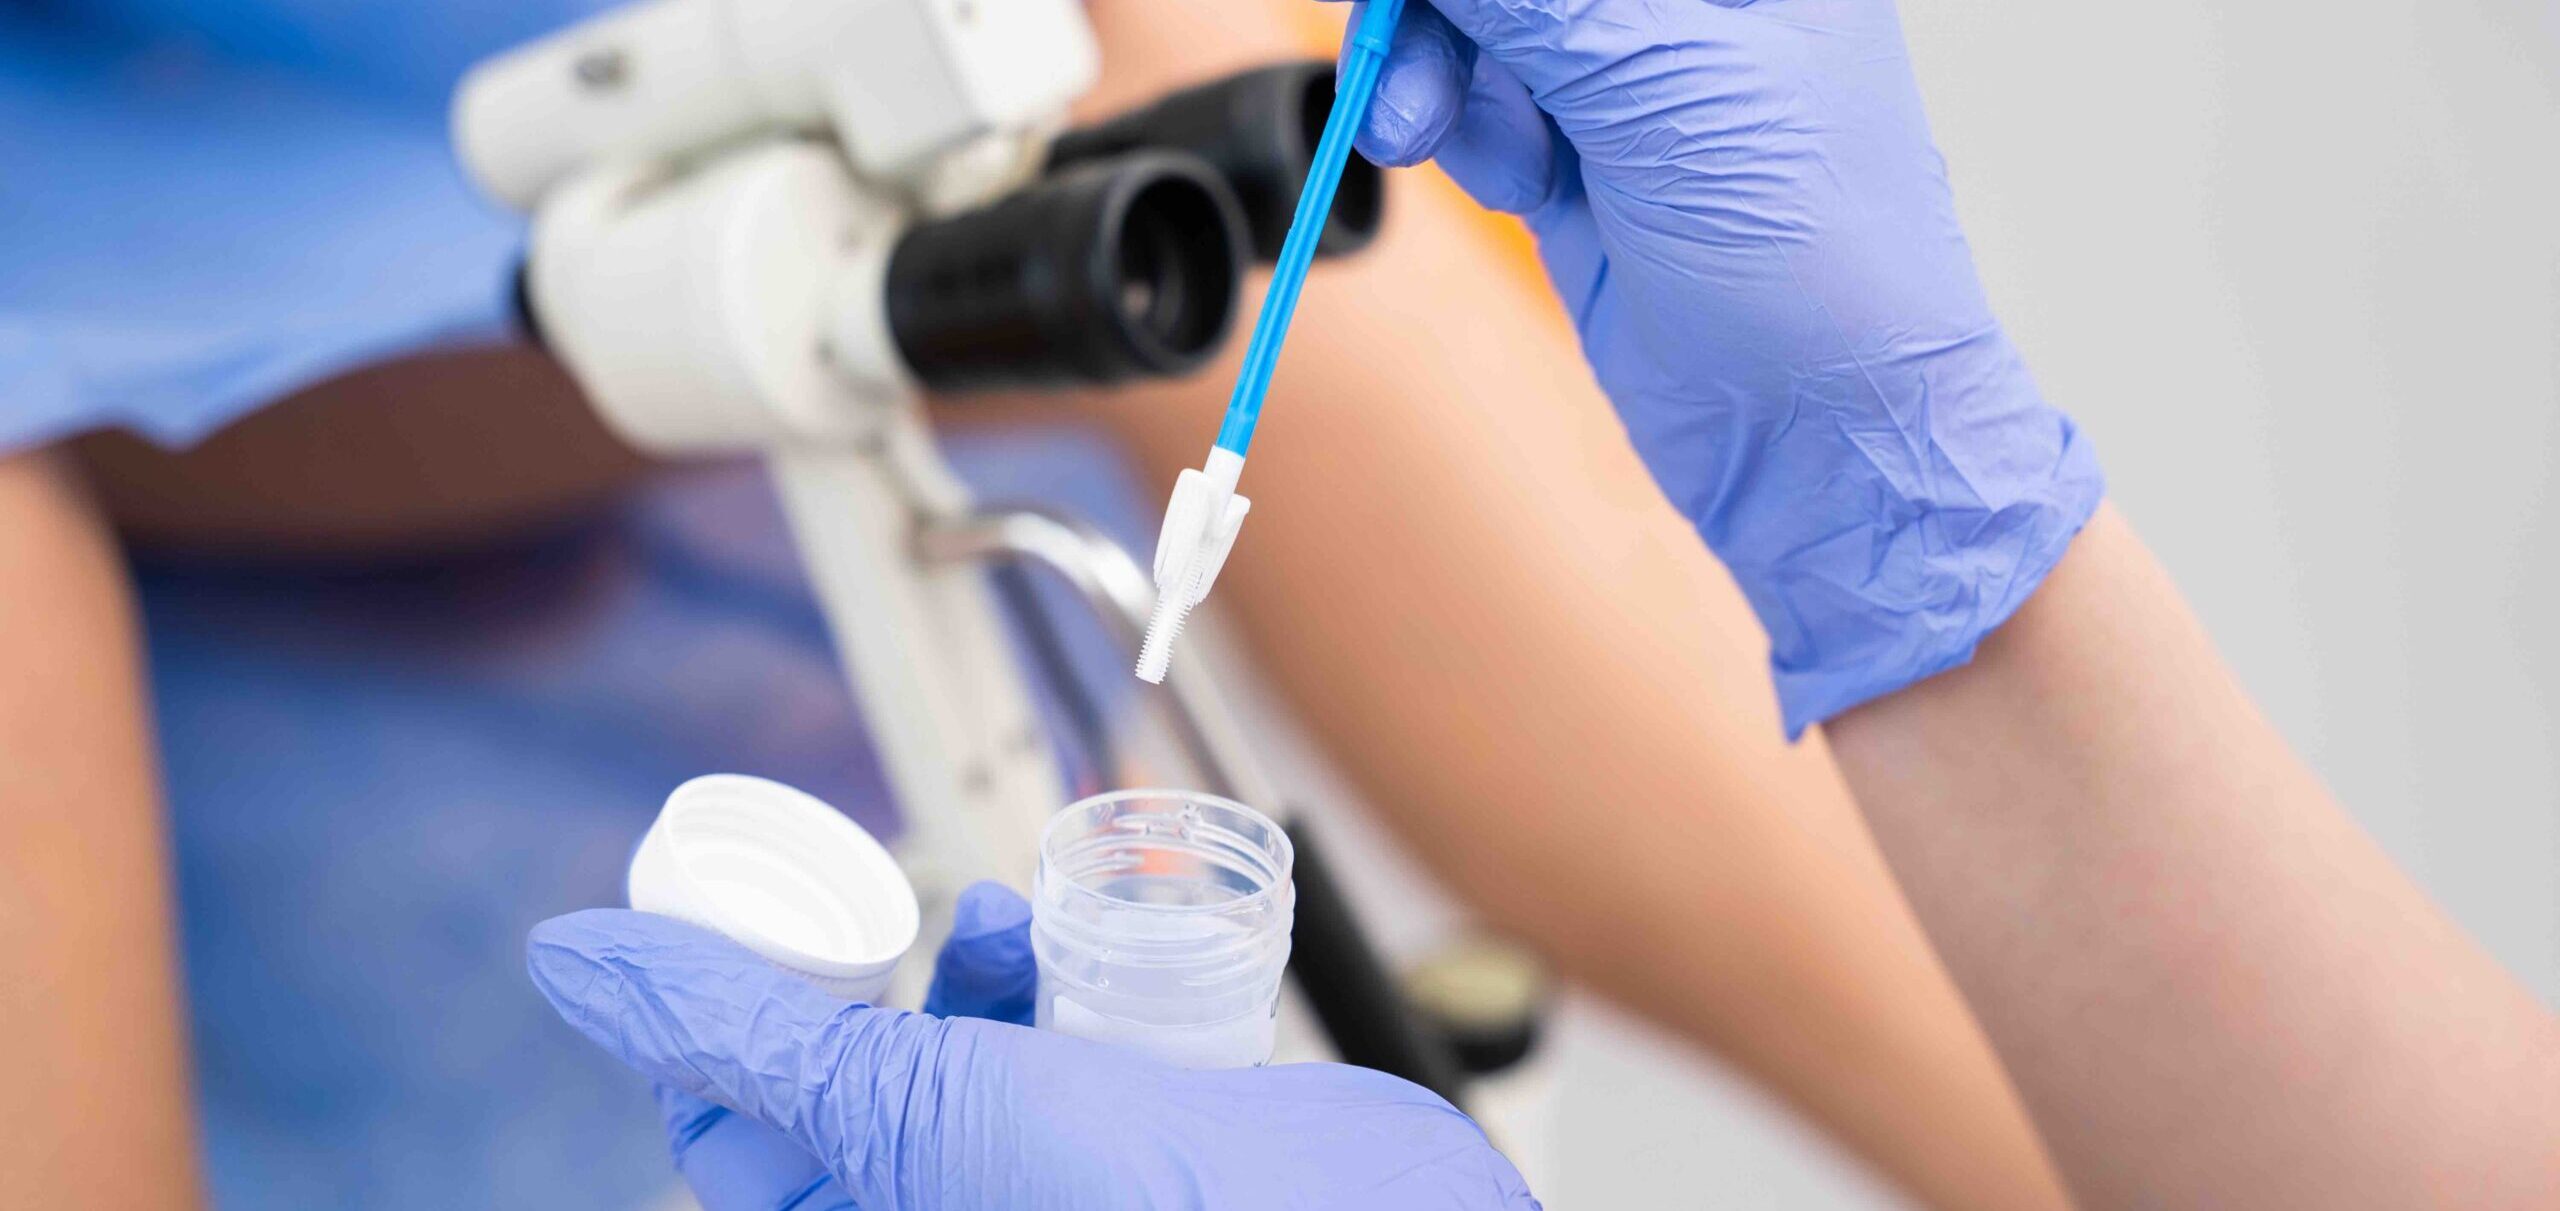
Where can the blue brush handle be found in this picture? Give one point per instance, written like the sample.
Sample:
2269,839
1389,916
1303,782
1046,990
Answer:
1351,91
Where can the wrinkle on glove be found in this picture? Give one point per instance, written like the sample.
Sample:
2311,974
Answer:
736,1163
913,1112
1743,213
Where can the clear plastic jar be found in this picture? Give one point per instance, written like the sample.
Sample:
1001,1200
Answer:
1161,922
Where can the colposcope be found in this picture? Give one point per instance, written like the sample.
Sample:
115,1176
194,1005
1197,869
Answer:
773,225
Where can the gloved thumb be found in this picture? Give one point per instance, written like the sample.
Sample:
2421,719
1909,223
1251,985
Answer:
1421,89
734,1163
694,1011
1558,49
986,969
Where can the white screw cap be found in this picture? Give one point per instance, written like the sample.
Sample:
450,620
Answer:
783,874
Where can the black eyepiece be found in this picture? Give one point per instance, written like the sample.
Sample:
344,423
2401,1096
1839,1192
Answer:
1113,269
1259,130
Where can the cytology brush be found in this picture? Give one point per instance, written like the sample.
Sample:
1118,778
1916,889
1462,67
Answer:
1201,522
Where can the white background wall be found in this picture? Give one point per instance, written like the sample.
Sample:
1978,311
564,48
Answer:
2295,266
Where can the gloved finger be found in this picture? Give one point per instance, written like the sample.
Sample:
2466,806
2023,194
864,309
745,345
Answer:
1504,149
734,1163
986,969
1422,88
1569,242
691,1009
1552,45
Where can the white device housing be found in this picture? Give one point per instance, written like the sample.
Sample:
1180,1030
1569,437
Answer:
696,308
738,307
716,188
897,82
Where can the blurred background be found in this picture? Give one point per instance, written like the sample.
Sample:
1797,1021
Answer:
2297,273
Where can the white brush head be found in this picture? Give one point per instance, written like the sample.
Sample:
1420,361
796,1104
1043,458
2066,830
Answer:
1200,526
1155,656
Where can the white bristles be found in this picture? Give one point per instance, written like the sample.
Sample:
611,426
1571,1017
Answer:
1155,655
1199,529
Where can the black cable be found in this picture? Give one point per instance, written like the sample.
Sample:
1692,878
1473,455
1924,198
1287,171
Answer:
1349,987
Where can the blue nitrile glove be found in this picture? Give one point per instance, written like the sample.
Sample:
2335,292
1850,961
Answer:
1742,211
735,1163
913,1111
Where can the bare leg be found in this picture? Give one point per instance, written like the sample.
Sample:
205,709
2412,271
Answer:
92,1025
433,453
2214,989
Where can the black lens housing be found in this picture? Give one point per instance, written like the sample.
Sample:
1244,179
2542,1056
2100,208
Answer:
1108,270
1259,130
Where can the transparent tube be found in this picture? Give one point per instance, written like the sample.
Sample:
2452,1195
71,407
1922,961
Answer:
1160,920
